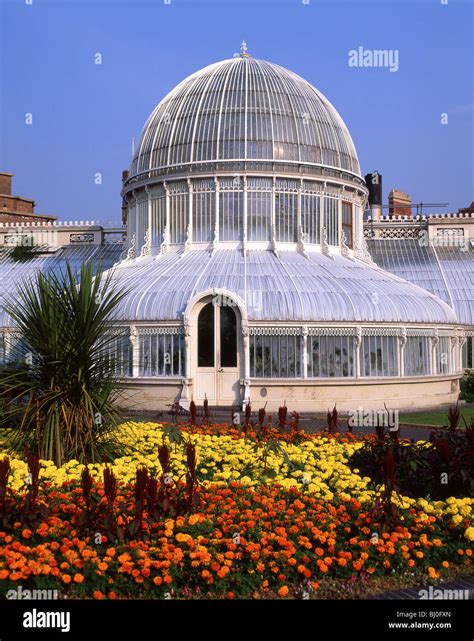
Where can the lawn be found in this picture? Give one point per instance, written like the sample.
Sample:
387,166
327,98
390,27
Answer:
435,418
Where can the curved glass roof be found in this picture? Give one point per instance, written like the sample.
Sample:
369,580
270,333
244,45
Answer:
244,109
12,273
447,272
288,287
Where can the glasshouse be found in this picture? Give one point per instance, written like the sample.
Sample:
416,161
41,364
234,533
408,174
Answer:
247,271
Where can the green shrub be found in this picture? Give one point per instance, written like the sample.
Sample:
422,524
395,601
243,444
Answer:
59,393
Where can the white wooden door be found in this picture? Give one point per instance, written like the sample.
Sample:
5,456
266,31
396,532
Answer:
217,376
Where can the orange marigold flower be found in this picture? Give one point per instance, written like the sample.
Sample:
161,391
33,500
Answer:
167,579
433,573
283,591
66,578
26,534
97,594
78,578
157,580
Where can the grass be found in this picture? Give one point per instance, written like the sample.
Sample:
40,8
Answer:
435,418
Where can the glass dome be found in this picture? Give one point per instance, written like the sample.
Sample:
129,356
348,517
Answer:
244,109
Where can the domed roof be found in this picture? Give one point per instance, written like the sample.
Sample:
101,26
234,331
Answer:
244,109
284,288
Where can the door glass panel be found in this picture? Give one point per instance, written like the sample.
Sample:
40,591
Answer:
228,337
206,336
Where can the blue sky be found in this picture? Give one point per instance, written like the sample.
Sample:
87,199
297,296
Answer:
85,115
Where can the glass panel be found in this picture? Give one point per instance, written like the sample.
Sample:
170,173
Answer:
206,336
230,214
347,222
228,337
331,220
379,356
275,356
160,355
310,217
417,361
203,216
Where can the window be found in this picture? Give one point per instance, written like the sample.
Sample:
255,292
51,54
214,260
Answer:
161,354
118,353
275,356
259,209
379,356
231,212
330,356
179,199
228,336
417,356
206,336
158,215
468,353
19,349
286,203
443,359
204,213
310,217
347,223
142,220
331,220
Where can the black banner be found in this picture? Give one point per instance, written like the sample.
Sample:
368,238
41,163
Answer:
309,620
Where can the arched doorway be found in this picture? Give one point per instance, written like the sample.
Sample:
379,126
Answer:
218,355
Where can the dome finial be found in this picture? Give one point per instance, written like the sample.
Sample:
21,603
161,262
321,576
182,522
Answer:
244,50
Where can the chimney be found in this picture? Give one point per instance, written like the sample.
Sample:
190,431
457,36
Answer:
5,183
399,204
374,185
125,175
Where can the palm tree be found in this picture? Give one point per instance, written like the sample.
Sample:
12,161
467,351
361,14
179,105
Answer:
60,397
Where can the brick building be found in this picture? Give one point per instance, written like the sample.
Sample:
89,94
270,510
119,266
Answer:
16,208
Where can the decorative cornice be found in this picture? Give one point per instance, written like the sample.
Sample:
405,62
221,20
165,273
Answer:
273,244
300,246
146,247
165,245
324,242
132,252
345,251
189,242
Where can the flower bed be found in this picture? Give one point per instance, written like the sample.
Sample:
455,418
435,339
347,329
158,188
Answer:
267,522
